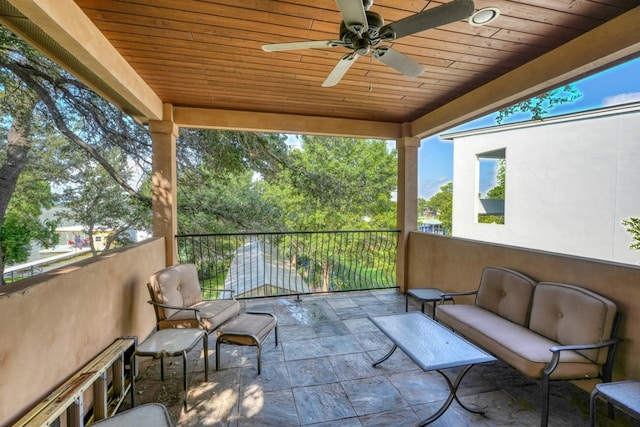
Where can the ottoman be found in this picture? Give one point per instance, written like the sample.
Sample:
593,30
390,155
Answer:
246,329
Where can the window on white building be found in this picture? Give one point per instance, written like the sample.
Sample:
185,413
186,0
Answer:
492,168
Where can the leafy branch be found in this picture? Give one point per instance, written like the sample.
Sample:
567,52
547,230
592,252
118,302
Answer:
540,105
633,227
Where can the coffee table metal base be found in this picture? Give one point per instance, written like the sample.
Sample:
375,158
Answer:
433,347
453,389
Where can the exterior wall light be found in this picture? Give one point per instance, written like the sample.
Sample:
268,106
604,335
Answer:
484,16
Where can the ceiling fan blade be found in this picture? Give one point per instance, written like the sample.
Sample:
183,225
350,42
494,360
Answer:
353,15
340,69
398,61
315,44
430,18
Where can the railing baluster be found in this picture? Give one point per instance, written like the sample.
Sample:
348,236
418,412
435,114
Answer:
293,263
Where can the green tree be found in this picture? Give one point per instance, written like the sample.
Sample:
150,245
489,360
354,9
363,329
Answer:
21,224
220,180
633,227
498,191
97,202
337,184
442,203
539,106
228,203
41,105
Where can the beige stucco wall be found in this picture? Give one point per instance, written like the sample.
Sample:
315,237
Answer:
454,264
54,323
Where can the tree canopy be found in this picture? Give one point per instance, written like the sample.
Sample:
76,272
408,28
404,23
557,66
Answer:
56,132
336,184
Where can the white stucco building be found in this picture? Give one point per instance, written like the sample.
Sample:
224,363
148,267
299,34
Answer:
570,181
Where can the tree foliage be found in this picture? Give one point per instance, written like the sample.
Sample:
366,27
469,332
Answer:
43,105
22,223
539,106
337,184
97,202
219,174
442,203
633,228
497,192
61,133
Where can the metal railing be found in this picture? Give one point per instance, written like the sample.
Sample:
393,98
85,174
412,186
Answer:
293,263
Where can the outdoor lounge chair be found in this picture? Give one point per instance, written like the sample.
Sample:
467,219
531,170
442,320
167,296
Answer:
177,298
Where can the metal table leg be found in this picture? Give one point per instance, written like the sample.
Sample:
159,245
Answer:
386,356
453,388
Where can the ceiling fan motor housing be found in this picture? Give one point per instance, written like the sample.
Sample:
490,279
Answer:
370,37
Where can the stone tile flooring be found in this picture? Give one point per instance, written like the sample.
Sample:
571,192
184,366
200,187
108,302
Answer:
320,374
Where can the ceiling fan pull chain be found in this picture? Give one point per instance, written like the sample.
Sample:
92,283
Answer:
370,73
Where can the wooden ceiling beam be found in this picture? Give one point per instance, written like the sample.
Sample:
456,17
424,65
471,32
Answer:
284,123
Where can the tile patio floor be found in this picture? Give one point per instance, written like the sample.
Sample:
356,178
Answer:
320,374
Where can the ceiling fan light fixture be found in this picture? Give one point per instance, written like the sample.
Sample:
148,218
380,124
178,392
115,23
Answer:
484,16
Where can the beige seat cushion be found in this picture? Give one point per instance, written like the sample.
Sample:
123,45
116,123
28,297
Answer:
521,348
179,286
176,285
212,313
247,329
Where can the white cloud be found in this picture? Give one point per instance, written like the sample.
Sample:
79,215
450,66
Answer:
429,187
621,98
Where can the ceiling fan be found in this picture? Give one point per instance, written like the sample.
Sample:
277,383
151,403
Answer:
362,31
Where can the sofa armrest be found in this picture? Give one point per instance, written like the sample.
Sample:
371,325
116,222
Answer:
208,289
449,296
558,349
196,311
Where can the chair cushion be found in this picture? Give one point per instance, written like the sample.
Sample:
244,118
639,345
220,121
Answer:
176,285
212,313
506,293
516,345
571,315
246,328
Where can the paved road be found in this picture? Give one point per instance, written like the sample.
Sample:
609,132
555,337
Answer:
256,269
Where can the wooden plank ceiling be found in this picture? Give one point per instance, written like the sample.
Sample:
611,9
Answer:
207,54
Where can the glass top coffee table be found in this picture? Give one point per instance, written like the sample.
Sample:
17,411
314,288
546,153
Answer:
433,347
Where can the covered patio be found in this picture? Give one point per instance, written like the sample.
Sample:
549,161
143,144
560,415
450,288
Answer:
200,64
320,374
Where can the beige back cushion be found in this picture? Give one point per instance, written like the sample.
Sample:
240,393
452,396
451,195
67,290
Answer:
507,293
177,285
571,315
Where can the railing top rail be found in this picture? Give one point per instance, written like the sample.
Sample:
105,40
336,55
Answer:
258,233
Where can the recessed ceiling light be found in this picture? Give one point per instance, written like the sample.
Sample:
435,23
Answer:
484,16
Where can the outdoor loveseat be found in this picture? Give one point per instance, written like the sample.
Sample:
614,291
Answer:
545,330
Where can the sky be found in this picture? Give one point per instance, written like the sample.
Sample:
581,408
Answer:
618,85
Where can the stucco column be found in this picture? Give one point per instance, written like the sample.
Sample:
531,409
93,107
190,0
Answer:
164,179
407,201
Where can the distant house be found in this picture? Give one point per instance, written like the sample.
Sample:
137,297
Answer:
74,237
570,181
431,225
